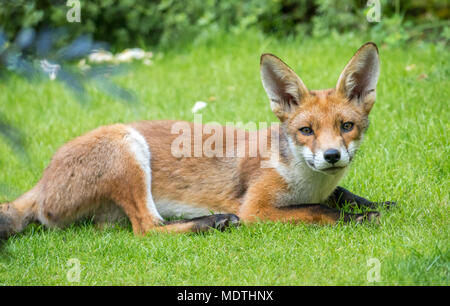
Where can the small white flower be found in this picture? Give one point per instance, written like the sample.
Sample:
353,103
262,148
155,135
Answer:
82,65
137,53
410,67
100,56
50,68
198,106
128,55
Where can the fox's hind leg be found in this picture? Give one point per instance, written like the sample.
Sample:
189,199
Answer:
131,190
111,163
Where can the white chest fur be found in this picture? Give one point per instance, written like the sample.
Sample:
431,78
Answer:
305,185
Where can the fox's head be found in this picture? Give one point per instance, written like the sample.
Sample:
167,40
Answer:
324,127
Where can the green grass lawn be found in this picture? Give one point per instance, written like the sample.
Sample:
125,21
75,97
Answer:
405,157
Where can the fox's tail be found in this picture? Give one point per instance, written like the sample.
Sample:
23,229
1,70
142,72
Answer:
15,216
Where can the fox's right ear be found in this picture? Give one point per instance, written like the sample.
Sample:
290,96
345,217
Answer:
283,87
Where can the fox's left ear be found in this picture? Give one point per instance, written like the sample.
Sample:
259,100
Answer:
359,79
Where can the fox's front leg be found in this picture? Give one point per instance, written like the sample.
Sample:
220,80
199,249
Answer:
261,200
305,213
341,196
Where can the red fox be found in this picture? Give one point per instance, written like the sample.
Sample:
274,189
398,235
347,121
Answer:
129,170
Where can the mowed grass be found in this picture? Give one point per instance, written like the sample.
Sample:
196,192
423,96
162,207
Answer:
405,157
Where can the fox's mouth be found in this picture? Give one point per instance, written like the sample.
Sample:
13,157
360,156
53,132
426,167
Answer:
328,170
333,168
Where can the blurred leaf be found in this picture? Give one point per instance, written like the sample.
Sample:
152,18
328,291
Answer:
13,136
25,38
106,70
44,62
114,90
3,40
79,48
44,42
74,82
16,63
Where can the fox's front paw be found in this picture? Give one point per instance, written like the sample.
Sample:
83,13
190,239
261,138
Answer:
367,216
388,204
218,221
360,218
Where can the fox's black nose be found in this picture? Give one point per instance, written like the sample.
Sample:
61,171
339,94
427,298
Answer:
332,155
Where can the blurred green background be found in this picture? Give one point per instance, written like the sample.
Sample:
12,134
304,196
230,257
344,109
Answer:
167,23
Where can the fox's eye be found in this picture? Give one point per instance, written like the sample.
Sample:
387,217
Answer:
347,126
306,131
